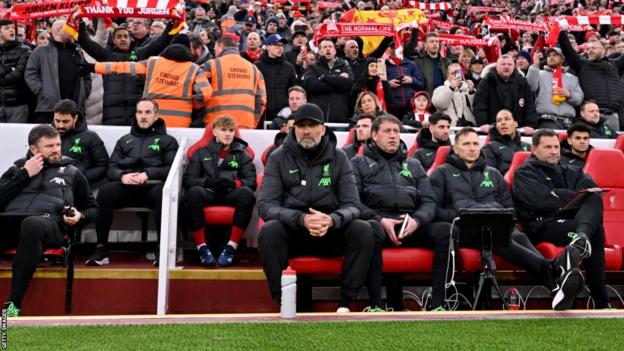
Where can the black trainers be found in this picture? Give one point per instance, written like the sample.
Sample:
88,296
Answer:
99,257
570,258
567,288
581,243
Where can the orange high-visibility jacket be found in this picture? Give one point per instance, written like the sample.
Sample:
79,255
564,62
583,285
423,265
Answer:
238,89
177,87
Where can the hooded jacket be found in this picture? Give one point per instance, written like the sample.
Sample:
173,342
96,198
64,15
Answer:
400,97
394,186
427,148
204,168
570,158
540,189
86,149
293,183
456,186
600,130
48,192
327,89
13,59
279,75
500,150
149,150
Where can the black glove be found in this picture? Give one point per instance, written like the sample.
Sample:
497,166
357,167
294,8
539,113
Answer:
86,68
224,184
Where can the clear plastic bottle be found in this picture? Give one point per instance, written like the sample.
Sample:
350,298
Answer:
513,299
288,308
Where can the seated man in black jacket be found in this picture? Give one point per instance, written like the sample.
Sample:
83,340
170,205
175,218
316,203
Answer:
589,115
137,170
57,194
221,173
465,181
391,187
83,146
311,206
575,149
430,139
505,141
361,135
541,187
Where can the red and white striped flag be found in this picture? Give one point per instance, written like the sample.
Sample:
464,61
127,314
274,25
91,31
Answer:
440,6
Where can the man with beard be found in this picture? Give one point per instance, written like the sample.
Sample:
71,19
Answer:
575,149
430,139
555,103
137,171
13,58
310,204
504,142
58,196
362,135
82,145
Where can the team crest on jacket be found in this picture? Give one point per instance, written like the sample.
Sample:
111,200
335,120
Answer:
58,180
155,146
487,182
76,148
405,172
326,180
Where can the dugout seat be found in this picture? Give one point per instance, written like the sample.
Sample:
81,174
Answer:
619,143
440,158
412,149
518,159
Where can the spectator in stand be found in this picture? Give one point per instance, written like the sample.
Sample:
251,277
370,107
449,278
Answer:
238,86
55,72
419,116
504,88
373,80
201,53
13,90
576,148
254,48
505,141
392,186
464,61
297,54
296,98
599,78
201,23
353,58
121,91
433,66
405,79
589,115
455,97
310,205
556,104
476,68
140,30
156,29
221,173
43,38
543,185
329,82
83,146
368,104
523,61
361,135
279,75
431,138
46,185
270,26
137,171
249,26
466,181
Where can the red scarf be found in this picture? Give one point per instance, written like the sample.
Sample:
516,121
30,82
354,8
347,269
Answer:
254,56
421,116
380,94
557,81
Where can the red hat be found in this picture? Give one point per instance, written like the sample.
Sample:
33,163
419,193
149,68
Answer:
233,36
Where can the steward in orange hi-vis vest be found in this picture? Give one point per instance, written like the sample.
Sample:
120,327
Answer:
172,80
238,86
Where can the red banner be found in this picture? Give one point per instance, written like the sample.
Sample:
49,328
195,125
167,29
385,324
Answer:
465,40
514,24
109,11
446,25
483,9
354,30
45,9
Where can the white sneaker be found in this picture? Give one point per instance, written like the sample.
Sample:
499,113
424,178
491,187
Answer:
343,310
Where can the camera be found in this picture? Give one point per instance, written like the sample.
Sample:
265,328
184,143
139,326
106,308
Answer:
68,211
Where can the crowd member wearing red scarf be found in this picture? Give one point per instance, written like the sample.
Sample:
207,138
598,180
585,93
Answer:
254,48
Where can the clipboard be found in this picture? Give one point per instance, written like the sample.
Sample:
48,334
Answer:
575,202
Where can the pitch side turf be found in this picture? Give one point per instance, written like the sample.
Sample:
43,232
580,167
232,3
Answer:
536,334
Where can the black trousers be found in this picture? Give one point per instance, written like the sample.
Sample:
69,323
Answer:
36,233
277,243
116,195
588,220
433,236
243,199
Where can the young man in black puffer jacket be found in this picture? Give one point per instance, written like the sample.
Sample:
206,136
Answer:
504,142
220,173
13,90
137,170
431,138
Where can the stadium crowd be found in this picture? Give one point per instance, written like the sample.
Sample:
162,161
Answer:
244,64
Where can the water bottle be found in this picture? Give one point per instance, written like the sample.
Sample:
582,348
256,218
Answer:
514,299
288,307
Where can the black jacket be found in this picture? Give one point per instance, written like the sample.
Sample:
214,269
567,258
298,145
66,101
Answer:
391,187
427,148
204,169
121,91
143,150
86,149
458,187
600,80
48,192
13,59
599,130
293,183
279,75
328,90
540,189
352,149
500,150
571,159
493,94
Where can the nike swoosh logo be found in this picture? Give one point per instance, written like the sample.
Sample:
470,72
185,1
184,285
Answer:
291,171
207,158
502,147
429,153
129,141
456,174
